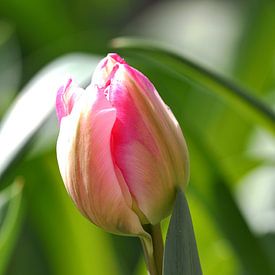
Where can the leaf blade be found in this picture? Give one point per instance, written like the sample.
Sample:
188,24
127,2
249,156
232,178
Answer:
181,253
36,102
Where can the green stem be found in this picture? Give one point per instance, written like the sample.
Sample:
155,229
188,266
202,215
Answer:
158,246
153,249
149,257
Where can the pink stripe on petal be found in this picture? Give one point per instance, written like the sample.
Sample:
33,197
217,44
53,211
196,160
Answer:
116,58
129,124
59,105
66,98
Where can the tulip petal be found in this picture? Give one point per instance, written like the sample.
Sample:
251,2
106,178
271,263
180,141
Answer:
87,168
160,121
158,113
66,98
106,69
148,145
147,181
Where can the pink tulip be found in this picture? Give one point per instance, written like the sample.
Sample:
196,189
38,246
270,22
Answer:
120,150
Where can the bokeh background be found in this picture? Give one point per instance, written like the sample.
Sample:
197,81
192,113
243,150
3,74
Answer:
232,184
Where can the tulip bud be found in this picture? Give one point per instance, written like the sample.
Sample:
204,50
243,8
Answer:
120,150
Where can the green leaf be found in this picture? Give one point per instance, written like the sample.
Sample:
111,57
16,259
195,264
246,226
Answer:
181,253
10,221
242,100
36,102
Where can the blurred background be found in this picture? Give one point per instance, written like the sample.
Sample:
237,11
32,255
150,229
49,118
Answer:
232,184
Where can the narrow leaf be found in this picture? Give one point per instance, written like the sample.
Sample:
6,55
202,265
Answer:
242,100
10,221
181,253
36,102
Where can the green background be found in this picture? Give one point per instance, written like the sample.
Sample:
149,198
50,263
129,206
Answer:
232,184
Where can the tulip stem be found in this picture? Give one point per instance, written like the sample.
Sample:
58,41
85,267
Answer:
153,260
158,246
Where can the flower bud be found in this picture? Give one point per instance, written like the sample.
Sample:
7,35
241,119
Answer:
120,150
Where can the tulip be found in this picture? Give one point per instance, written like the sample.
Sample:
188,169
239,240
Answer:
120,150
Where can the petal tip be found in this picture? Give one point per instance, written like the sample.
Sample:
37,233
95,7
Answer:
64,100
116,58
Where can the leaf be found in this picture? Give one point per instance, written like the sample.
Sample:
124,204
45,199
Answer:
242,100
36,102
10,221
181,253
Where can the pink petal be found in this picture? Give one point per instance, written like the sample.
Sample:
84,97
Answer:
158,118
87,166
146,139
106,69
169,131
146,176
66,98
